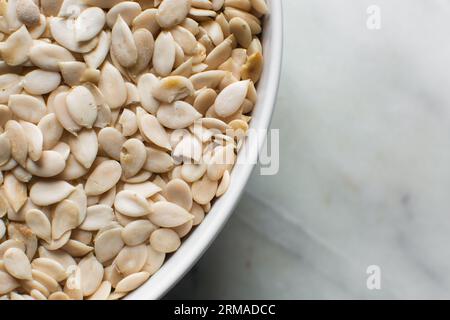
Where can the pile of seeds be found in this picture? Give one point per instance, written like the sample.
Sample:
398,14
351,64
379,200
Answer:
119,124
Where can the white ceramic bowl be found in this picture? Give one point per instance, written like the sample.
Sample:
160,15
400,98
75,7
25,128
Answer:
201,238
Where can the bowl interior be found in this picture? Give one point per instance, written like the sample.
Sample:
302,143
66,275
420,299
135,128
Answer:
193,246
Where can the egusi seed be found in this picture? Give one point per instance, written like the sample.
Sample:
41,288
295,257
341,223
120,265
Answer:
120,122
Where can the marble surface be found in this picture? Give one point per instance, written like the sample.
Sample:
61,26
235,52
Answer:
364,119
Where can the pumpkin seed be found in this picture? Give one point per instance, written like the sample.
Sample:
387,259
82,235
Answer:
45,193
97,217
131,203
17,264
132,281
168,215
165,240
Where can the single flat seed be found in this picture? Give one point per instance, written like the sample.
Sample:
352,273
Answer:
132,157
7,283
123,44
204,190
158,161
131,259
97,217
108,244
40,82
38,222
152,130
47,56
145,86
50,267
45,193
104,177
112,86
155,259
95,58
65,218
50,164
34,138
165,240
89,23
62,114
131,204
5,149
64,32
17,264
15,49
231,98
102,292
128,10
172,12
173,88
82,106
132,281
91,274
242,32
84,147
50,284
27,107
111,142
137,232
164,54
177,115
168,215
2,229
15,192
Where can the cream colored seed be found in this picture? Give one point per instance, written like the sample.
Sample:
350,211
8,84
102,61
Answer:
108,244
131,259
168,215
91,274
131,204
17,264
137,232
44,193
132,281
165,240
123,44
103,178
81,106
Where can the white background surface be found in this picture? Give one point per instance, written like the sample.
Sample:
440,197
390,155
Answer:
365,163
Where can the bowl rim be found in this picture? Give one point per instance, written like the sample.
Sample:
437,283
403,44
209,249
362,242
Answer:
199,241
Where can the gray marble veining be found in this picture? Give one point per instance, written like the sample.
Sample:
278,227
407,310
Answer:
364,119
